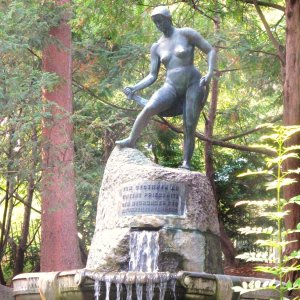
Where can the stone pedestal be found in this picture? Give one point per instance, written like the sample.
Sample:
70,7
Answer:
137,194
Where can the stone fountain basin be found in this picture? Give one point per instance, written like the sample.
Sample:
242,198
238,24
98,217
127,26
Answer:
79,285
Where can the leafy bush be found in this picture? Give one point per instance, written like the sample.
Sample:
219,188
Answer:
275,211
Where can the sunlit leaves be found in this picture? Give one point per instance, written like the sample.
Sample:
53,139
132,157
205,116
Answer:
272,243
255,285
295,200
278,239
281,158
256,230
262,172
280,183
261,256
257,203
293,256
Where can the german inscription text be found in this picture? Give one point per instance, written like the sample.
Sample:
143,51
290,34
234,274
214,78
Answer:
152,197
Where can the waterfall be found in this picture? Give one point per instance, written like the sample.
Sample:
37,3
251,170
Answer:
143,277
143,251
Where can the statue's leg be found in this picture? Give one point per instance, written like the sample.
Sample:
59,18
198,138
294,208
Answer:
192,107
161,100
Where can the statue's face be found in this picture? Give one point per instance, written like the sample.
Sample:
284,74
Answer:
162,23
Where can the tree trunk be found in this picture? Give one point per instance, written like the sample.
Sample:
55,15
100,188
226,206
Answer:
8,206
4,233
226,244
59,247
291,110
2,279
209,127
19,260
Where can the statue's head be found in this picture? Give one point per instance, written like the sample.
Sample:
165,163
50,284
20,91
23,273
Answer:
162,18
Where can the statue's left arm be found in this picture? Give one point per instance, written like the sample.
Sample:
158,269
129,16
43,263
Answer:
198,41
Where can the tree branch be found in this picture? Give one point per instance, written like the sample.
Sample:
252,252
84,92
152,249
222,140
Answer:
34,54
276,44
22,201
196,8
227,70
218,142
33,237
232,137
264,52
83,88
266,4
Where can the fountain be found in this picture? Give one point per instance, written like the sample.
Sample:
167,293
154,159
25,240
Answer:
156,237
157,230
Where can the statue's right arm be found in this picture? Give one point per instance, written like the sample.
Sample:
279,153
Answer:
151,77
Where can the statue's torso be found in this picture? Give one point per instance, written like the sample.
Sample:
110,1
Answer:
176,53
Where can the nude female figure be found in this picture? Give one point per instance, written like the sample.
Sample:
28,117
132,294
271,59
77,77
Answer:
184,84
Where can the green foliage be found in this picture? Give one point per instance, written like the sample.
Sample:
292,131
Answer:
276,238
25,24
231,189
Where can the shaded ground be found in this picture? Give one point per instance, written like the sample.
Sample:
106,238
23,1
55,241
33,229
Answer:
6,293
246,269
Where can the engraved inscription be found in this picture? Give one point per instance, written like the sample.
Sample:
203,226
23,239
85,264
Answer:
152,197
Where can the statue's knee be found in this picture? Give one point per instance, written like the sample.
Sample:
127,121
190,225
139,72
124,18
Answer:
149,111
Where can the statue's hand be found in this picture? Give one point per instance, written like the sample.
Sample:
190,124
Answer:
205,80
129,91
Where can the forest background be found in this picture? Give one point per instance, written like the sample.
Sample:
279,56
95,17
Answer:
110,50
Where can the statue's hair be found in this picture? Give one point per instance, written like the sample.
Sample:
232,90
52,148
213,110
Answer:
161,10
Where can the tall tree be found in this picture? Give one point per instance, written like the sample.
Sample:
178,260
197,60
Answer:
226,244
289,57
59,248
291,108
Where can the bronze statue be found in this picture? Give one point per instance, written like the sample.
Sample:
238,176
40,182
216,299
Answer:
184,91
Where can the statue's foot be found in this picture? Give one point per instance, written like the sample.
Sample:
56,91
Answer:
185,165
125,143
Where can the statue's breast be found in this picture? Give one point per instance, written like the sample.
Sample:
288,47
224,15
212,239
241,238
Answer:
165,57
176,48
183,51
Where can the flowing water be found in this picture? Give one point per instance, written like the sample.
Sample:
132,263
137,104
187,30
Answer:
107,284
119,290
143,251
97,288
143,277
